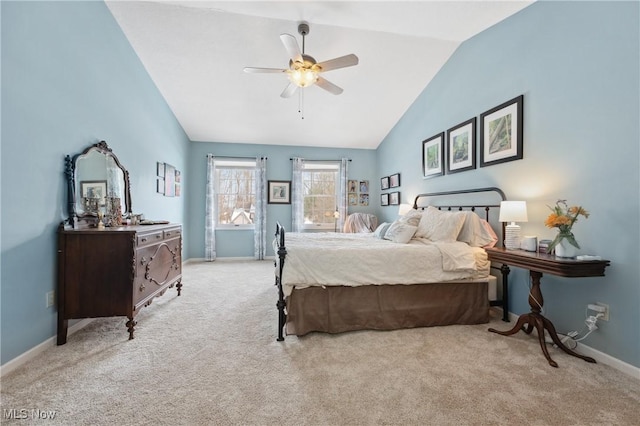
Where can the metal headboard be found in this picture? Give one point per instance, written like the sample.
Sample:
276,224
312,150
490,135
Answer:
417,204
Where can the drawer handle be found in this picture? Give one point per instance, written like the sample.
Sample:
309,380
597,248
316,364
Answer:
144,240
158,236
142,287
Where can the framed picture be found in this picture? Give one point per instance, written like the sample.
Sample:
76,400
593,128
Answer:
394,198
160,186
178,176
384,199
461,147
501,133
384,183
177,191
169,180
364,199
95,189
279,192
364,186
353,186
433,156
394,180
160,169
353,198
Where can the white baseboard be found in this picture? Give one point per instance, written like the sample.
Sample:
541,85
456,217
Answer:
602,357
20,360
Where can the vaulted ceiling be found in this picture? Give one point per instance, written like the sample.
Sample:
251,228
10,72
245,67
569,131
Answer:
195,52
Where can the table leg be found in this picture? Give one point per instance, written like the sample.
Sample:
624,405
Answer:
537,320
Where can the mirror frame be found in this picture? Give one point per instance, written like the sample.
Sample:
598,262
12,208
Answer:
70,171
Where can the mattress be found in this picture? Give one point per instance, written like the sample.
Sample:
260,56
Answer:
337,259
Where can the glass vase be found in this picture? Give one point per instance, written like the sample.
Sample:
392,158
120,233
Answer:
565,249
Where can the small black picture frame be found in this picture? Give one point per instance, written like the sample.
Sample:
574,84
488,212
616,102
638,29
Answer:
384,199
279,192
384,183
433,156
394,198
394,180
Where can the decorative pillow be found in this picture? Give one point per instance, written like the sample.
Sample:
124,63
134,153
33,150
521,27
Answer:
474,231
381,230
400,232
412,217
436,225
489,230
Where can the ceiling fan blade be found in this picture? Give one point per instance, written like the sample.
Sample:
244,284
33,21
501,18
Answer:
293,49
341,62
328,86
252,70
289,91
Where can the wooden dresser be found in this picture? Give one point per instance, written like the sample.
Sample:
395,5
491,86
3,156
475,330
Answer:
115,271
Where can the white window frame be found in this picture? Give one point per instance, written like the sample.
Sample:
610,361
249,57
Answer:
323,166
233,164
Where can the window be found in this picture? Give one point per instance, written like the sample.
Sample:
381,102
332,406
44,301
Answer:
235,193
321,191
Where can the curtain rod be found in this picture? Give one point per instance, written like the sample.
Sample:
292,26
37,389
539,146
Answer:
348,159
234,156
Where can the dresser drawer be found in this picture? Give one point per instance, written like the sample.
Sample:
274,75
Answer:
149,238
172,233
157,266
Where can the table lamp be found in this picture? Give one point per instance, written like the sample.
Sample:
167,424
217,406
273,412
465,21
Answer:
512,211
404,209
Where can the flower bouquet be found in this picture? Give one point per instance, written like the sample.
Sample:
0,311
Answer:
563,217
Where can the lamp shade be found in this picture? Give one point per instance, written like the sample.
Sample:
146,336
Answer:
404,209
513,211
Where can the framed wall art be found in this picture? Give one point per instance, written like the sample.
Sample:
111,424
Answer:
353,186
384,183
384,199
353,198
433,156
394,198
501,133
169,180
279,192
394,180
461,147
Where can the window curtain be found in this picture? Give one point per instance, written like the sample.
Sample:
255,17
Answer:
342,196
297,196
210,213
260,217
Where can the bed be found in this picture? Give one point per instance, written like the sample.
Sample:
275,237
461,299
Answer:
428,268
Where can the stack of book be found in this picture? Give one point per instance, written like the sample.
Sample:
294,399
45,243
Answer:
543,246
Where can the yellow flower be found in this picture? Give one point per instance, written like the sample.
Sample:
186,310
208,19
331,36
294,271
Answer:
563,217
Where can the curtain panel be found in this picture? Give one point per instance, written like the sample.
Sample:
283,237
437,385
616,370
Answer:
260,218
297,196
210,211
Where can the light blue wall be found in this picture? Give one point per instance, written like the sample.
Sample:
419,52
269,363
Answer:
577,64
236,243
69,79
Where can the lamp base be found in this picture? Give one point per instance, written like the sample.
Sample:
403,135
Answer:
512,237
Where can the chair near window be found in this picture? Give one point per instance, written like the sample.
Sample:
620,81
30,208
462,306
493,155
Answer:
360,223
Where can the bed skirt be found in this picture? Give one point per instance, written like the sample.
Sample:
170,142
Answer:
336,309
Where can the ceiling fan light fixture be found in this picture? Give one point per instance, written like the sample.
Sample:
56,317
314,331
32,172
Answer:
303,77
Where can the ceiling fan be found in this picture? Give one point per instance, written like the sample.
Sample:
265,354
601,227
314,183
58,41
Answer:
303,69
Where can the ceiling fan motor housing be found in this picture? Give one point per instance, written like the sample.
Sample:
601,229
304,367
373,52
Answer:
303,28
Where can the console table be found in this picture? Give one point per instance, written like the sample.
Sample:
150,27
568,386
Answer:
537,264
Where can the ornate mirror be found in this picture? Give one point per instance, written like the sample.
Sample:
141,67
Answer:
98,186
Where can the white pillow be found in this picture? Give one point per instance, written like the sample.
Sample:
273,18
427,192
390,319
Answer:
412,217
475,233
436,225
381,230
400,232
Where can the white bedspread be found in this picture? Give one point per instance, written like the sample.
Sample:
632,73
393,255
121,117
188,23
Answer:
326,259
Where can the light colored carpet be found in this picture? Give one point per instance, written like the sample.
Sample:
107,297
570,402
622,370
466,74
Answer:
210,357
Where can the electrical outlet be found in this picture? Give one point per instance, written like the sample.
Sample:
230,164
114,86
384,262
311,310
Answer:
51,298
606,311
